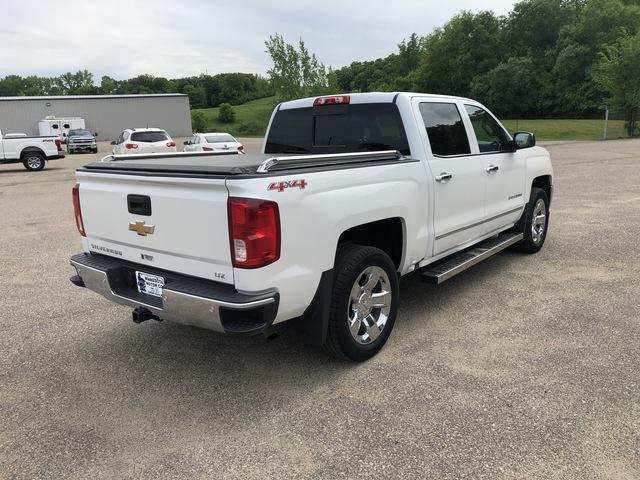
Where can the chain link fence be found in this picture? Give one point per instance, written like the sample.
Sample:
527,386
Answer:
619,124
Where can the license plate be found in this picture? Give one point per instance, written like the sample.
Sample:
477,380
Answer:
149,284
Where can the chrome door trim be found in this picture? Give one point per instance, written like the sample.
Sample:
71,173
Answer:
476,224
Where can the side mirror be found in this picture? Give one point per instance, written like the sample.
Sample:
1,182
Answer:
524,139
113,142
95,134
186,142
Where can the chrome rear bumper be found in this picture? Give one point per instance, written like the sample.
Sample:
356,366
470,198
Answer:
186,300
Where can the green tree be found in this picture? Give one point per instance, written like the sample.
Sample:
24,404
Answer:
78,83
197,98
513,89
618,72
226,113
198,121
296,72
467,46
108,85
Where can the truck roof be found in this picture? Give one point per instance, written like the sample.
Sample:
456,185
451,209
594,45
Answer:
369,97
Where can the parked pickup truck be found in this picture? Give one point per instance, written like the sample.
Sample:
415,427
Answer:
81,140
32,152
350,193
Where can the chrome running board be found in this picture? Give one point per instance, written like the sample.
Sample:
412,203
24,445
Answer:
452,265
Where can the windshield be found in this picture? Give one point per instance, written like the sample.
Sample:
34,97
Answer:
80,132
219,138
149,137
338,129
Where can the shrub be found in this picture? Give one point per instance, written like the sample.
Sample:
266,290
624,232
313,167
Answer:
226,114
198,121
250,128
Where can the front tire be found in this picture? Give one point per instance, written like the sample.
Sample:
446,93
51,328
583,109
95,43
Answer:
33,161
536,222
364,303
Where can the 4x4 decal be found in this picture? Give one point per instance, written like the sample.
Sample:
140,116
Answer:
280,186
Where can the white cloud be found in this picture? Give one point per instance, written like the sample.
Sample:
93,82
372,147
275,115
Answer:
172,39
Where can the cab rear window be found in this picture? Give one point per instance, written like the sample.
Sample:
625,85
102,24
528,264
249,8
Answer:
338,129
147,137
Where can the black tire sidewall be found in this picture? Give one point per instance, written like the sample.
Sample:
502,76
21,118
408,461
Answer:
346,275
528,245
26,162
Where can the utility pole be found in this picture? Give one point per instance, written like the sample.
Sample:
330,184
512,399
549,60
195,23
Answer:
606,121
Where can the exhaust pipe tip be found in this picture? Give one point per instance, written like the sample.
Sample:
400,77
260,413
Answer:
270,333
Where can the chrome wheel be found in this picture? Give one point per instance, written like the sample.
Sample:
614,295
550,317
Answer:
369,305
539,221
34,162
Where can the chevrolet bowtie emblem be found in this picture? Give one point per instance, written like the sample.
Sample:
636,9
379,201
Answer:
141,229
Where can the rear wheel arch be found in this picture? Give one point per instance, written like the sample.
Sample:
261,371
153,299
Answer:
28,150
387,234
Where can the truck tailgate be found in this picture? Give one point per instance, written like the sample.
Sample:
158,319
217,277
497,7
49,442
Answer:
186,230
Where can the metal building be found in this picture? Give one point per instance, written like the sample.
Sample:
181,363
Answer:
107,115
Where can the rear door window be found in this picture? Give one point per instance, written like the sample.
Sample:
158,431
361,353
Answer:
148,137
445,129
338,129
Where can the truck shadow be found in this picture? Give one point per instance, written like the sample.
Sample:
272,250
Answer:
173,367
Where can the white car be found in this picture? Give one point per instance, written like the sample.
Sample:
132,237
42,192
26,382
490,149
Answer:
350,193
212,142
143,140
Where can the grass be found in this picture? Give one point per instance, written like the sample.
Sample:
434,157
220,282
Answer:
548,130
251,118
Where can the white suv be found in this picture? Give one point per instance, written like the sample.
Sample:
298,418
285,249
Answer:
143,140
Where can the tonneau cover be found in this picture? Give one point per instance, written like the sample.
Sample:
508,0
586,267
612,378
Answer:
227,164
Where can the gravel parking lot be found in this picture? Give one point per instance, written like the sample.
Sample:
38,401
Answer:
522,367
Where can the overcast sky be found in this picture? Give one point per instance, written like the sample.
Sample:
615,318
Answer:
174,39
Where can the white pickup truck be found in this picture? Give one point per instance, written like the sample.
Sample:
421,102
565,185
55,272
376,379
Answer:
32,152
350,193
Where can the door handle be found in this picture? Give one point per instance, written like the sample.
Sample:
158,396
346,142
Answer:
444,177
493,169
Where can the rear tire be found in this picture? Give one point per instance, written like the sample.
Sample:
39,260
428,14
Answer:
364,303
536,222
33,161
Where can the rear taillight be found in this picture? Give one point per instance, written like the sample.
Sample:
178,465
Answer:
58,144
76,209
335,100
171,144
240,148
130,146
254,232
207,149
